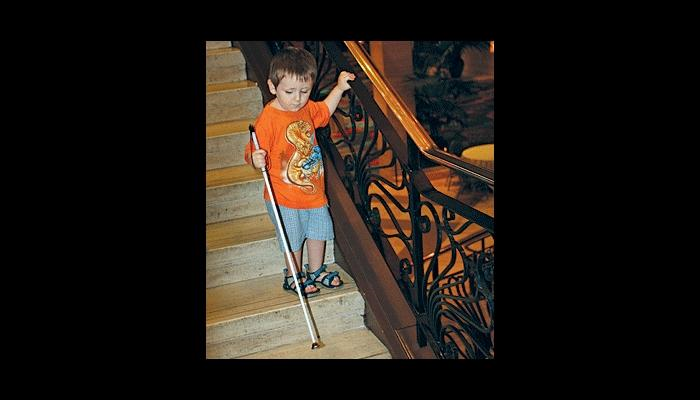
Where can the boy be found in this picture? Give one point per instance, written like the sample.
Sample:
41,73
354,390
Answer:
286,133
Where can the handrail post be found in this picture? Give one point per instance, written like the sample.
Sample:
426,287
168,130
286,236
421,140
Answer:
414,164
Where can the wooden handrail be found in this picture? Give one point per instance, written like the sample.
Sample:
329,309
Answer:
413,128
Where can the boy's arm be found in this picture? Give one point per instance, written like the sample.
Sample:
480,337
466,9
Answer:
334,96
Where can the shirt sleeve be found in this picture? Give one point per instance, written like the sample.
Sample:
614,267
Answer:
319,114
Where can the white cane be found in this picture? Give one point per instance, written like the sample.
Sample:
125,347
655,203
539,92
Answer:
288,250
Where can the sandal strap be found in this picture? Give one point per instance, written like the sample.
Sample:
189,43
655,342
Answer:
288,283
315,274
328,278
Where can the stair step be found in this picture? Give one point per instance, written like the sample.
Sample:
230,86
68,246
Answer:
352,344
385,355
218,44
225,65
228,86
225,128
226,143
229,176
246,248
233,192
232,101
260,296
257,315
239,231
223,50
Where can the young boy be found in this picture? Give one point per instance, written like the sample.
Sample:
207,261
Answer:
286,133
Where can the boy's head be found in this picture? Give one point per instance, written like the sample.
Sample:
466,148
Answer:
294,63
292,75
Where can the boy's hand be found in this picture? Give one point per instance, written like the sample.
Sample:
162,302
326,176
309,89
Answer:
343,79
258,157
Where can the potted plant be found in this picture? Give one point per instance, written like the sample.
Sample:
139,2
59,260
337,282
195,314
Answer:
440,92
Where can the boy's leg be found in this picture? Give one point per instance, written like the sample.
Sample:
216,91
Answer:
291,223
297,258
317,250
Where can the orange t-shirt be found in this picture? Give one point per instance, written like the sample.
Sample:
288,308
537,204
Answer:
293,156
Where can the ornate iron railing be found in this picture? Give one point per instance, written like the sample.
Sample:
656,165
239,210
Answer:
451,289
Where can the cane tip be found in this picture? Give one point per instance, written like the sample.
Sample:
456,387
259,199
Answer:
314,345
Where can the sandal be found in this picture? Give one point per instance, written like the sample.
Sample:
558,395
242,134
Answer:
289,281
327,280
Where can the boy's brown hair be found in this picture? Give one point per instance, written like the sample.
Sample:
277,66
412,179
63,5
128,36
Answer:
292,61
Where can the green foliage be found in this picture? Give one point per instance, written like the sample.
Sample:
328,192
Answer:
442,58
437,106
439,92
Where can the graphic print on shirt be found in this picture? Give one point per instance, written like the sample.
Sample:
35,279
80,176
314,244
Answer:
305,164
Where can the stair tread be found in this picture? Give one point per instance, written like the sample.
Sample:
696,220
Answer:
264,294
232,175
350,344
241,230
217,44
222,50
229,127
219,87
386,355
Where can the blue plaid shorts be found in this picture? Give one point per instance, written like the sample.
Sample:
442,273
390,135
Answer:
301,224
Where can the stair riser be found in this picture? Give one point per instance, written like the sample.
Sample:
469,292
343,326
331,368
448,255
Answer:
294,330
228,74
353,344
226,151
212,44
235,201
247,345
233,104
227,67
334,313
251,260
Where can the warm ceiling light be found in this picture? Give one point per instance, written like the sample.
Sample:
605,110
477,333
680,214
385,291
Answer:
491,46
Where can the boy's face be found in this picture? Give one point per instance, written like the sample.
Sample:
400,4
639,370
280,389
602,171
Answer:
292,93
